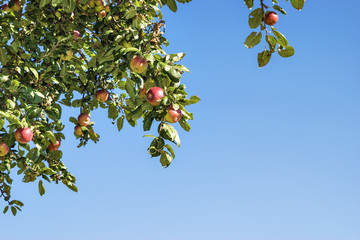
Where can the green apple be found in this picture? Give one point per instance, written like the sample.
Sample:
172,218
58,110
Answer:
138,64
4,149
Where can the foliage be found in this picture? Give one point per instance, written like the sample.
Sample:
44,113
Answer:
56,54
275,41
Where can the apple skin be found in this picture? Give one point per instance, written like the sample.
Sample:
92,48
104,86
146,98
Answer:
154,95
4,149
138,64
102,95
23,135
78,131
172,115
76,34
102,14
6,8
271,18
84,119
54,147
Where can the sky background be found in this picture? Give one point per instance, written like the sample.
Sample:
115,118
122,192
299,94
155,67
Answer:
273,153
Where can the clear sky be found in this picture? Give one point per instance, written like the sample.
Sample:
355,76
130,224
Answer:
273,153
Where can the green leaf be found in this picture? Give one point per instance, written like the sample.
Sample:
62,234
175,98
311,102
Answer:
185,125
255,18
280,9
298,4
264,58
130,88
288,51
13,210
169,132
169,148
281,39
50,135
172,5
249,3
6,209
253,39
120,123
165,159
41,188
44,2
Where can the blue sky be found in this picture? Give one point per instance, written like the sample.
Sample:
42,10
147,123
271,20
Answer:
273,153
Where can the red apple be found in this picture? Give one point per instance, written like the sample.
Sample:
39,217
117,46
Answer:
138,64
4,149
24,135
102,14
17,6
76,34
172,115
78,130
54,147
154,96
84,119
6,8
102,95
271,18
142,92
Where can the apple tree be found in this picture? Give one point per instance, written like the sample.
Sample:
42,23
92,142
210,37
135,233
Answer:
89,54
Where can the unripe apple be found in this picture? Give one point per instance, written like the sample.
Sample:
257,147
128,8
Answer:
138,64
76,34
17,6
6,8
54,147
4,149
68,56
78,130
84,119
24,135
154,96
172,115
102,14
102,95
271,18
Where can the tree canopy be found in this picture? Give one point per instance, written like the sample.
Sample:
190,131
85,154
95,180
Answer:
89,54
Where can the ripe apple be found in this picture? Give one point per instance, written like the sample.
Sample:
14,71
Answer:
76,34
78,130
54,147
24,135
142,92
84,119
172,115
68,56
17,6
4,149
271,18
102,14
154,96
138,64
6,8
102,95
